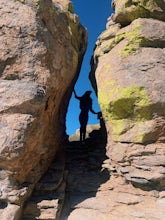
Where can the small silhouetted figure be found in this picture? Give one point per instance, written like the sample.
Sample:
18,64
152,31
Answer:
85,106
102,126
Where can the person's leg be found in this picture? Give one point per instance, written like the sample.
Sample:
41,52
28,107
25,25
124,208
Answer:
81,125
81,134
83,118
84,134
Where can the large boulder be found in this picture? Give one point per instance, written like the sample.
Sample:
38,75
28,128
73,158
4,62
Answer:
131,87
128,76
130,80
42,45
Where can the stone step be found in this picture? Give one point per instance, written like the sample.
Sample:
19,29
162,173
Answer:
43,209
48,196
84,180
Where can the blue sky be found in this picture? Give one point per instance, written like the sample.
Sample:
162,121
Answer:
93,15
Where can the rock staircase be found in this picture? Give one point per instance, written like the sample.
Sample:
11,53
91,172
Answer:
85,178
48,197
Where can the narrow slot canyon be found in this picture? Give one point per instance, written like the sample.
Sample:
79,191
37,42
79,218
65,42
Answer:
118,172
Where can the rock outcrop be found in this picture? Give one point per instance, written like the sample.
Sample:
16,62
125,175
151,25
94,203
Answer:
128,76
42,45
127,11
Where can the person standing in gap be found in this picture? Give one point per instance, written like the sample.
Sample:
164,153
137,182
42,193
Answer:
85,106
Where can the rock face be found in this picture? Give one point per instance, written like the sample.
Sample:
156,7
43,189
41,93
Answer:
128,10
128,76
42,44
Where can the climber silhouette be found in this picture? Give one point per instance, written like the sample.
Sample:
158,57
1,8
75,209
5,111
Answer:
85,106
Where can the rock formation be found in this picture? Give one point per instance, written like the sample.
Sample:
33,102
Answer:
128,76
42,44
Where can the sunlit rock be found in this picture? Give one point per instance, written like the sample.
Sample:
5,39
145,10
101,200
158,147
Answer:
128,10
42,44
128,76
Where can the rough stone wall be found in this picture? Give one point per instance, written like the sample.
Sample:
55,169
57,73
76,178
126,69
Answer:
128,74
42,44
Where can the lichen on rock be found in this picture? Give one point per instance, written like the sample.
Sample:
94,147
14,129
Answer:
126,11
128,76
131,102
135,36
123,108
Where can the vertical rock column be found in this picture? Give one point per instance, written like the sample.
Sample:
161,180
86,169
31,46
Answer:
42,45
128,76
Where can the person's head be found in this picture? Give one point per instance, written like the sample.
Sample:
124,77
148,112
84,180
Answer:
87,93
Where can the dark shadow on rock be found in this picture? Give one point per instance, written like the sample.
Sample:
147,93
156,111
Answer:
3,204
48,195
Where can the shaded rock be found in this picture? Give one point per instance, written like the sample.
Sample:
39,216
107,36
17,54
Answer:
86,178
42,45
48,196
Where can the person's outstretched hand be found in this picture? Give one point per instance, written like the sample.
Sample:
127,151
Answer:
99,115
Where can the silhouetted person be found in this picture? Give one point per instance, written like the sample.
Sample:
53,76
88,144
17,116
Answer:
85,106
102,126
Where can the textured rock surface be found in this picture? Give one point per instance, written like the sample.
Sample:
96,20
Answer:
128,10
42,45
47,199
129,64
87,187
93,194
